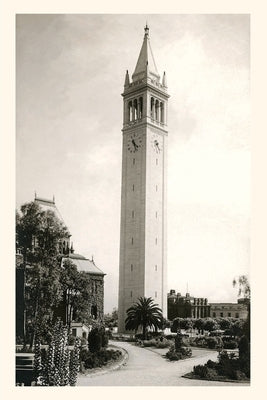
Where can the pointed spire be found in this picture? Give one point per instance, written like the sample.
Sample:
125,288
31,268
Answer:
164,80
127,79
146,65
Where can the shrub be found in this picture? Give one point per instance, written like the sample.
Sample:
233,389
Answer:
173,355
170,336
163,344
211,342
100,358
149,343
97,339
201,371
57,366
230,344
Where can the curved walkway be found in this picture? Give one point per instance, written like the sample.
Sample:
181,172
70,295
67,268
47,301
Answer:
148,368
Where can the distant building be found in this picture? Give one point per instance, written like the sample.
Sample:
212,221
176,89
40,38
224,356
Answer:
233,310
198,307
96,286
186,306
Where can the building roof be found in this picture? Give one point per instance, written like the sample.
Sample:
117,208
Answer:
83,264
146,63
47,205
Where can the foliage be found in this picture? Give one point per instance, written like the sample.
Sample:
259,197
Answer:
97,339
227,367
230,344
209,342
97,359
58,366
182,353
199,323
181,323
75,286
178,350
160,344
243,286
210,324
38,234
111,320
144,314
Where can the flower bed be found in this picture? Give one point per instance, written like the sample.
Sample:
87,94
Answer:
98,359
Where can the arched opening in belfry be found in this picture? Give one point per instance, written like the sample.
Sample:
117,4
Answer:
130,112
152,108
157,110
162,113
135,110
140,107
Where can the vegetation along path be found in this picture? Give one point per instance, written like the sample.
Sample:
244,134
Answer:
148,368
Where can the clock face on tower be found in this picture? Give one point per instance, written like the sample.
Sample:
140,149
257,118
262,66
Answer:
134,142
156,143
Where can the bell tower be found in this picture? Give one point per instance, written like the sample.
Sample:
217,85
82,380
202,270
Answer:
142,271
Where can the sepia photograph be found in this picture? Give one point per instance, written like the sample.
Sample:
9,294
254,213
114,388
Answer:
133,190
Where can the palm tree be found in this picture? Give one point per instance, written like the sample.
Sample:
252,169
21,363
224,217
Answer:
145,314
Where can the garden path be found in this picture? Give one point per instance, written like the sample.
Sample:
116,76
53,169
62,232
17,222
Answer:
147,367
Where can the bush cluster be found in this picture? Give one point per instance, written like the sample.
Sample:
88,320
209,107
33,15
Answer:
228,366
161,343
182,353
99,358
210,342
178,351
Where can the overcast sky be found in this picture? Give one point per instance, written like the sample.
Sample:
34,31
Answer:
70,74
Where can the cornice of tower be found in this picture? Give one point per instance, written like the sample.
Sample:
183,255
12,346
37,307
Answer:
136,87
132,126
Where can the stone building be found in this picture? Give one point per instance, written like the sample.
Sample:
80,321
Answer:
142,271
96,285
186,306
198,307
234,310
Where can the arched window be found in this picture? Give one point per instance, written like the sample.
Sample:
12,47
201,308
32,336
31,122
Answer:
162,113
152,108
140,104
130,111
157,110
135,110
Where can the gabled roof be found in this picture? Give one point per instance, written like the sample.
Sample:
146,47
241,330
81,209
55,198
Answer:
83,264
146,65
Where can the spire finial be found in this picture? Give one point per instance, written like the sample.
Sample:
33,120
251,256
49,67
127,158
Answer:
127,79
146,30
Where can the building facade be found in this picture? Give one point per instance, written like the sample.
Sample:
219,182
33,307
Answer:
187,306
142,270
233,310
198,307
65,248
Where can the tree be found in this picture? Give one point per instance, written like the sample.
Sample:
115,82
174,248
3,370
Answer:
210,324
38,234
199,324
181,323
243,286
75,286
144,314
244,290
